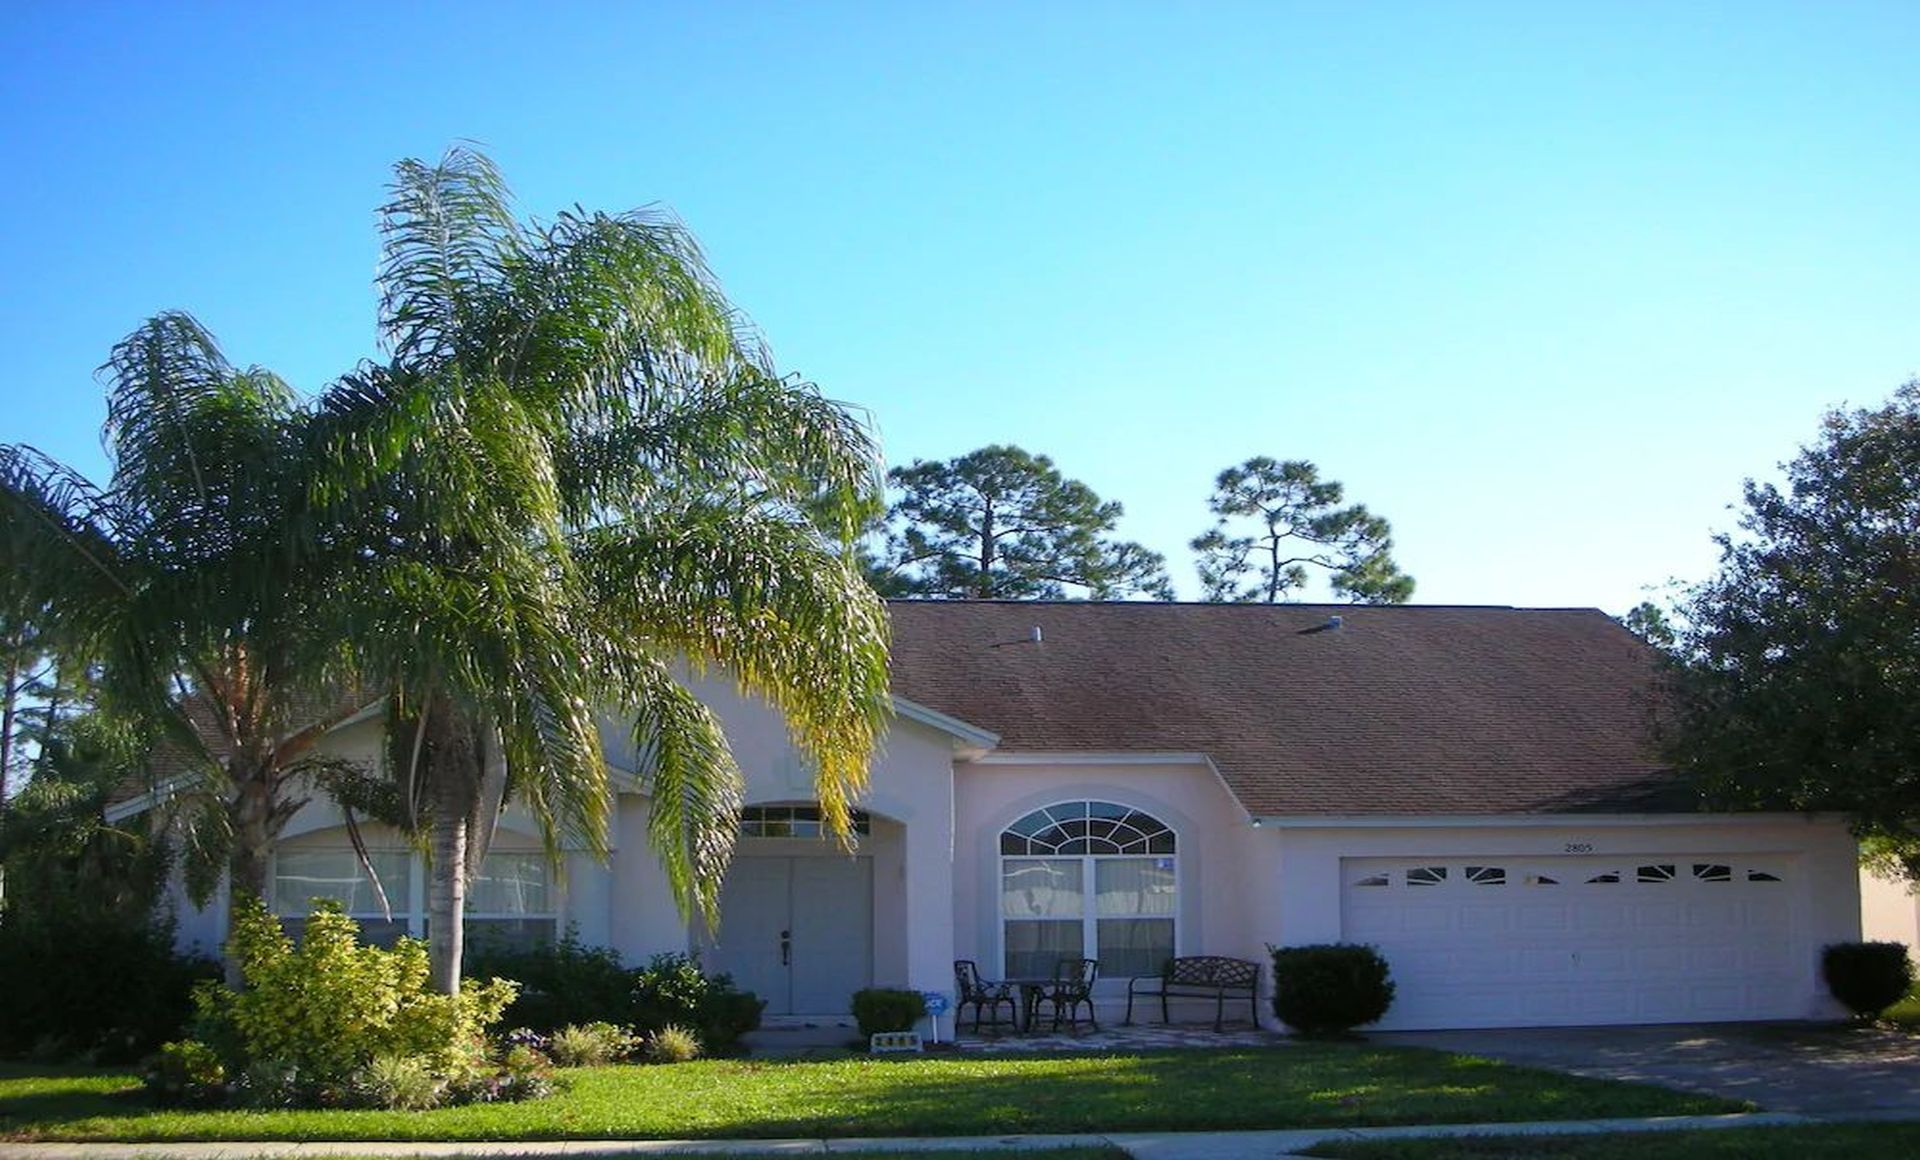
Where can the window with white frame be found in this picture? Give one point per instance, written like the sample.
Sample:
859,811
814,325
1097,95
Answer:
510,902
1088,879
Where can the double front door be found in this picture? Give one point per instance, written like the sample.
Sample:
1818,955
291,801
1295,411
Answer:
798,932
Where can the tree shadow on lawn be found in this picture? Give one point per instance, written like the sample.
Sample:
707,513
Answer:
34,1109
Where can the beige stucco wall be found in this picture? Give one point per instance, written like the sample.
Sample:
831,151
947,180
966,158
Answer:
1889,910
1213,841
910,797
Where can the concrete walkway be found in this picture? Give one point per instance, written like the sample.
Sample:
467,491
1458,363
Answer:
1141,1145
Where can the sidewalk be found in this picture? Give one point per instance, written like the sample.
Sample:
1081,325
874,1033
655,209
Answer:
1140,1145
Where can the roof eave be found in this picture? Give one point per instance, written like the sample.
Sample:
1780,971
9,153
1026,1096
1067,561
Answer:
970,742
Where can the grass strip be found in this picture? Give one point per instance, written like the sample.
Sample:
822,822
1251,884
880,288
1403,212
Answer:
1306,1085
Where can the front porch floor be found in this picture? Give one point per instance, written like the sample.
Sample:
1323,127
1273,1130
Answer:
1120,1038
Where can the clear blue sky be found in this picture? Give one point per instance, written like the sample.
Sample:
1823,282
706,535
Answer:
1540,282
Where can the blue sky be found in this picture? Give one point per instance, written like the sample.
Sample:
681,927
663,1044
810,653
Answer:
1541,282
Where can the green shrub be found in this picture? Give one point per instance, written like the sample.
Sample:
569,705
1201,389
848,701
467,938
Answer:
726,1014
1867,977
275,1083
591,1044
672,990
879,1009
402,1083
325,1022
1330,988
525,1074
186,1072
331,1006
92,984
566,982
560,983
672,1044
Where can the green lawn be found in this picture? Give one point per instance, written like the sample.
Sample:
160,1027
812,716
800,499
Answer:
1815,1142
1307,1085
1905,1013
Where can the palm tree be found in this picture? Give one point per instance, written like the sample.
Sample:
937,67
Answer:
178,581
576,478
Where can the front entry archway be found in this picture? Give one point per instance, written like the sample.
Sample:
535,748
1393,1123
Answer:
797,930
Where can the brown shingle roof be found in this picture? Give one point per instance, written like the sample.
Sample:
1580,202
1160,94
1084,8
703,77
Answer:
1401,710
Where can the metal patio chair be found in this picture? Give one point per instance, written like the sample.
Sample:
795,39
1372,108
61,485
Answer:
984,995
1072,987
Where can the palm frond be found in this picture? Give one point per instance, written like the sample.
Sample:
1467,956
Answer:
157,377
751,431
692,782
446,230
756,593
556,769
607,311
57,533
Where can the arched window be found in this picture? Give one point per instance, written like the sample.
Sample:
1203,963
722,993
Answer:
1088,879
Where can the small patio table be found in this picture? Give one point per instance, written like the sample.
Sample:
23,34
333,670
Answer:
1032,987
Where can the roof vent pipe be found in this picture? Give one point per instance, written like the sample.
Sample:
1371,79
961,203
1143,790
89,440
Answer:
1334,622
1032,637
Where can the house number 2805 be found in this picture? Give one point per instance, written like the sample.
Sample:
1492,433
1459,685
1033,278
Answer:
1579,847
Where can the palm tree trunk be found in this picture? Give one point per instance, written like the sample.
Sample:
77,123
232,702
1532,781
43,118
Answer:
447,895
250,813
454,776
6,728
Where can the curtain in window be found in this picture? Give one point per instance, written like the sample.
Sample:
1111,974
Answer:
1041,888
1035,948
510,883
300,876
1133,886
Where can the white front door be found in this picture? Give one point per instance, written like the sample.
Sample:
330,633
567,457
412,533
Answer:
1518,942
798,932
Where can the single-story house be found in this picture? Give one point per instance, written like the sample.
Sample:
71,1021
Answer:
1470,789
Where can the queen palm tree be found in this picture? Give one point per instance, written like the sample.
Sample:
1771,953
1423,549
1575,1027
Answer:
178,581
577,478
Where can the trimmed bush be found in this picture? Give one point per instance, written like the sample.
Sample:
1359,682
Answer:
1330,988
1867,977
881,1009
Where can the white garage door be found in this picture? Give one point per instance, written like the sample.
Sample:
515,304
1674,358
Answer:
1507,942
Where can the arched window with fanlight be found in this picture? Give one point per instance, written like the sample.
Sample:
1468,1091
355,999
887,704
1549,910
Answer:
1088,879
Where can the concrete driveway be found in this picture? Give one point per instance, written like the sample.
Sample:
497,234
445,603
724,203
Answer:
1813,1069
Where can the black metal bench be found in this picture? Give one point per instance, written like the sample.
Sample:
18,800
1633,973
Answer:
1201,977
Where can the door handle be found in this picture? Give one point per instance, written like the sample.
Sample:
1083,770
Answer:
786,948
